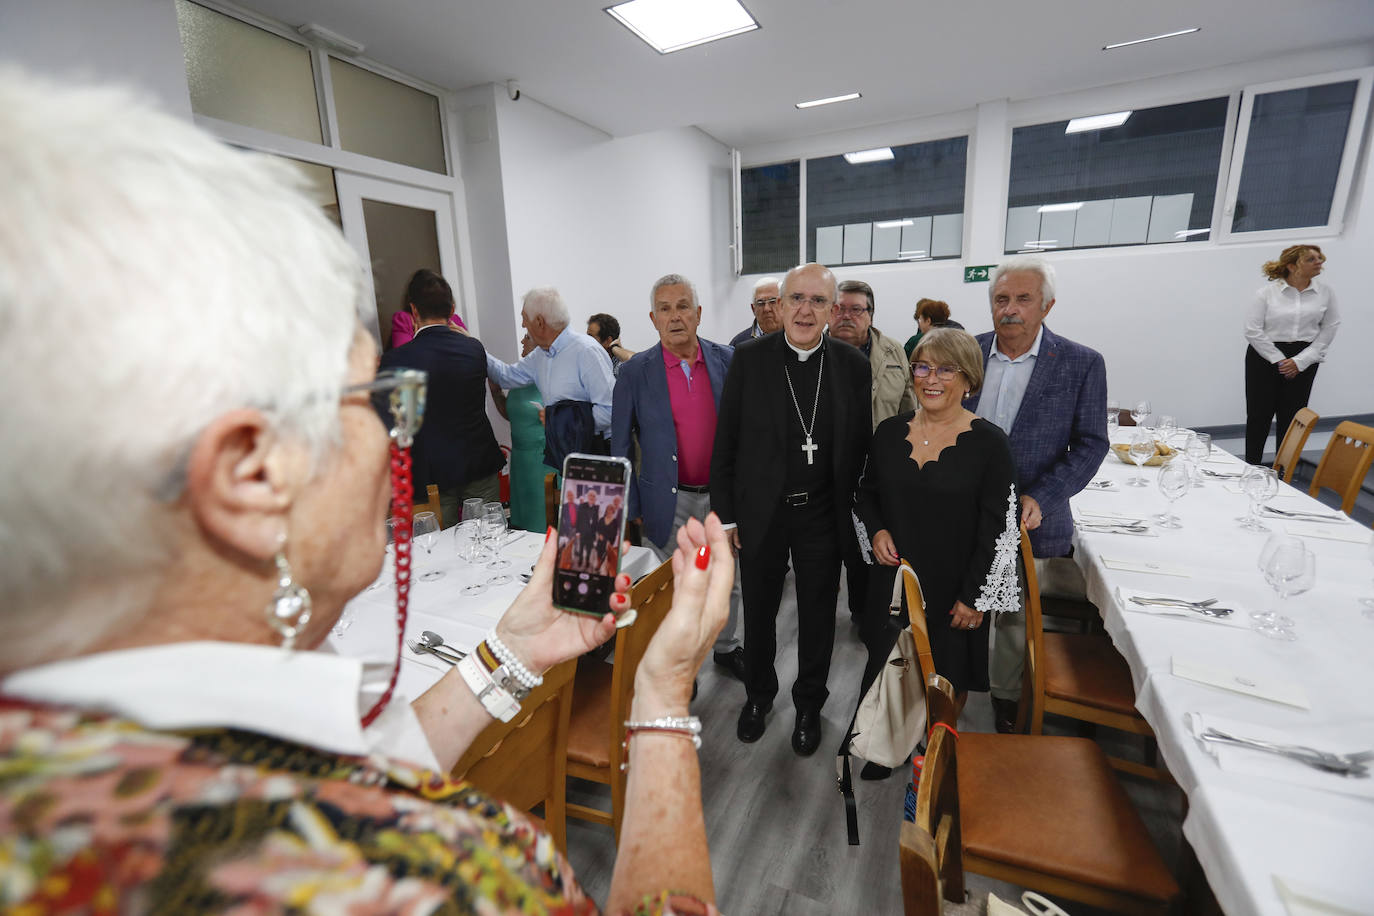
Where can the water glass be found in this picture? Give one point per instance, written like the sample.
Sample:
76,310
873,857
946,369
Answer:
1290,570
1175,479
494,533
1259,484
1142,450
1198,450
465,536
472,509
1113,423
425,532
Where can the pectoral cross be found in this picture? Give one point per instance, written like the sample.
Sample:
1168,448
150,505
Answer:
810,447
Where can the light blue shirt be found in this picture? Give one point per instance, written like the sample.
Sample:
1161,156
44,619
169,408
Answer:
1004,383
573,368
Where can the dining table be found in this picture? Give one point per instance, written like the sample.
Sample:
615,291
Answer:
1272,835
460,604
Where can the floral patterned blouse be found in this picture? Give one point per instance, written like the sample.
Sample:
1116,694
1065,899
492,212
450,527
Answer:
99,815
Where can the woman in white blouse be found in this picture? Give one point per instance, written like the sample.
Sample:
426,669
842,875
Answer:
1288,326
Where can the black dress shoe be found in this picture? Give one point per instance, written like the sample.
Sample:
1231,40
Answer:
1004,714
806,737
752,722
732,661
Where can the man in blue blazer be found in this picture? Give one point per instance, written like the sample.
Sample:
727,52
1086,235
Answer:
1049,395
663,418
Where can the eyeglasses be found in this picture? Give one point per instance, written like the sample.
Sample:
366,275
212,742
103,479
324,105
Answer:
943,373
766,303
844,311
817,302
398,396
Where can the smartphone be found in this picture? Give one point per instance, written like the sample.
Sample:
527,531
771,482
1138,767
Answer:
591,528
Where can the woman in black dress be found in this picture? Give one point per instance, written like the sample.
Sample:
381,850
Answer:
939,491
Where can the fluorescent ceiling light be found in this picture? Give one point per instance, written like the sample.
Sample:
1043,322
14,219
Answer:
830,101
869,155
913,255
1061,208
1097,122
671,25
1140,41
892,224
1042,243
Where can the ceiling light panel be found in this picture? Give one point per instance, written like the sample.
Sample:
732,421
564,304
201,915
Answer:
831,100
880,154
671,25
1061,208
1097,122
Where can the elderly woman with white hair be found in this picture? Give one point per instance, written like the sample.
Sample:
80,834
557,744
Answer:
183,514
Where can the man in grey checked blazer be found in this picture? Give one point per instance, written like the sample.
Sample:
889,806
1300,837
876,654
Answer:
1049,394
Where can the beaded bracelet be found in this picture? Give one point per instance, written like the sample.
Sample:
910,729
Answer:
682,726
516,667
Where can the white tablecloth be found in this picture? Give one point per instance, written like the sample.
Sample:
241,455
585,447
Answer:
439,605
1246,828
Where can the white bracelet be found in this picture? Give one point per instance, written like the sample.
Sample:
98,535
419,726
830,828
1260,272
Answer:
493,698
524,675
681,726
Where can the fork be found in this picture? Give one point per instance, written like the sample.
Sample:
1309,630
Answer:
421,649
1344,764
1314,516
1148,599
1205,610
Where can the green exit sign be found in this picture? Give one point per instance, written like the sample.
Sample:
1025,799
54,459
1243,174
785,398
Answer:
978,274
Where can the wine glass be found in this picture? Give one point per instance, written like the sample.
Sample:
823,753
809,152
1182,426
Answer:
472,509
1175,479
1259,484
494,532
1369,602
1142,450
1291,570
425,530
1141,412
1198,450
1113,419
1166,427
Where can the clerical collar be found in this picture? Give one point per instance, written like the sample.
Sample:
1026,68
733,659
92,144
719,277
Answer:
803,355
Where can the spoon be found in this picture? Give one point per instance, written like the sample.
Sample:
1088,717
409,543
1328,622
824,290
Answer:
432,640
421,649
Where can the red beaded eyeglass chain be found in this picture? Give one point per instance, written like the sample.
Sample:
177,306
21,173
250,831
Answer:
402,490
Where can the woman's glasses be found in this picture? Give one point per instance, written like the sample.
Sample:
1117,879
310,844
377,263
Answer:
943,373
398,396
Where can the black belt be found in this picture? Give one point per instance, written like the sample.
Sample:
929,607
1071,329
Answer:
691,489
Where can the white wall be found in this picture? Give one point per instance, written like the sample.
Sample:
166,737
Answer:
134,42
601,218
1166,318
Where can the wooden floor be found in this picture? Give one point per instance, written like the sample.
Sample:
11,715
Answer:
775,821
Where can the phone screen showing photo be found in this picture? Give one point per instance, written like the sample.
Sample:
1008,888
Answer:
591,527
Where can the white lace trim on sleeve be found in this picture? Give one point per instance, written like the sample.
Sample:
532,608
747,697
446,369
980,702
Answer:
1001,592
861,532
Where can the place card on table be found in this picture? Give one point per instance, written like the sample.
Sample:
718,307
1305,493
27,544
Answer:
1303,899
1351,534
1146,566
1263,686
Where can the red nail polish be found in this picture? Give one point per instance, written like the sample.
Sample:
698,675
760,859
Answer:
703,556
548,534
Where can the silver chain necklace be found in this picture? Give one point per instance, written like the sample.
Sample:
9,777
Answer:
810,447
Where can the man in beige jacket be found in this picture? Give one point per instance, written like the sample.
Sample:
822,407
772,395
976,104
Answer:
851,320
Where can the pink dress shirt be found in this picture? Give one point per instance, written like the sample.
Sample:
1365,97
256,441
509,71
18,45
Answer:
694,416
403,327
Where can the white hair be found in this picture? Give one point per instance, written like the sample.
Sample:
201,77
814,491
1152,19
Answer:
545,302
673,280
151,279
761,282
1029,262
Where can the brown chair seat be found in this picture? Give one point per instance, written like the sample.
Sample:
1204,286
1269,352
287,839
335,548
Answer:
1088,669
1026,800
591,715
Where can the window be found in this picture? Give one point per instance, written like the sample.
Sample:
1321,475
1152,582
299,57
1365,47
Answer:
1152,179
240,73
1295,147
386,119
909,207
770,208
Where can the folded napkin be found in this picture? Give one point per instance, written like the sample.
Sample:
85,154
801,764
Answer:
1239,617
1146,566
1110,523
1303,899
1352,533
1238,760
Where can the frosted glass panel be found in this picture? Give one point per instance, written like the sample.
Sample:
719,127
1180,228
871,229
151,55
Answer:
319,186
858,243
1057,227
1169,217
887,241
237,72
1094,224
947,236
830,245
386,119
916,239
401,240
1131,220
1023,225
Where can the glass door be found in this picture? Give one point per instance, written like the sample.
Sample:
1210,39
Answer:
396,230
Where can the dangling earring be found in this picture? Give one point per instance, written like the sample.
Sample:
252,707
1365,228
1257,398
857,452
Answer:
289,610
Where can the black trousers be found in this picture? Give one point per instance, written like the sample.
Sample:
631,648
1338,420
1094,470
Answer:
808,535
857,574
1268,395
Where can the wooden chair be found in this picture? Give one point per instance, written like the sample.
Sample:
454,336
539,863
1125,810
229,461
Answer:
551,500
1345,462
1042,812
432,504
524,761
602,695
1124,418
1078,676
1290,450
